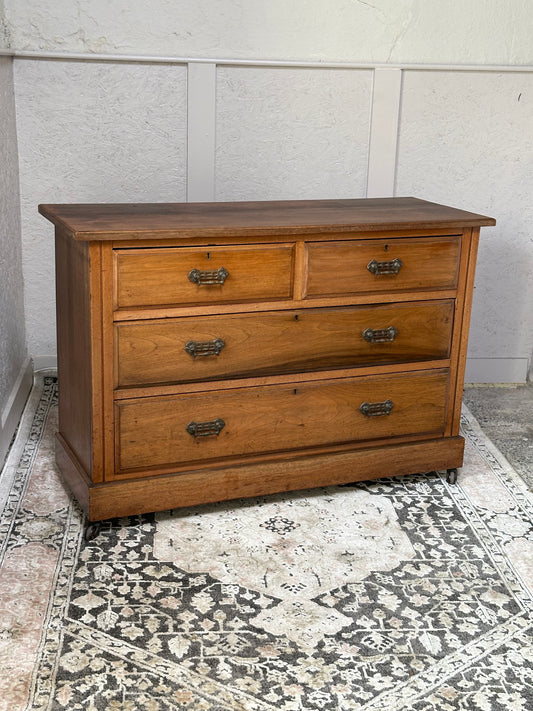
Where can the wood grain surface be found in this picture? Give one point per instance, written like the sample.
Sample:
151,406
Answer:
115,221
137,402
342,267
154,277
152,432
275,342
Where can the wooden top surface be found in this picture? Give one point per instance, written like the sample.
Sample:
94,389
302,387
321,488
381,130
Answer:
115,221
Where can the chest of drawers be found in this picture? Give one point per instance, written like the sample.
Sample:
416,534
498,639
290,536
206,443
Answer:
223,350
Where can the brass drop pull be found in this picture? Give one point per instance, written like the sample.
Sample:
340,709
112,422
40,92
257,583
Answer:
206,429
380,268
380,335
207,348
208,278
375,409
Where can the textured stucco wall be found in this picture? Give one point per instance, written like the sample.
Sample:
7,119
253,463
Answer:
4,33
466,139
12,331
91,133
480,31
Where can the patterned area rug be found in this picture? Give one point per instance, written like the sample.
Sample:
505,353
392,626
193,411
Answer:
405,594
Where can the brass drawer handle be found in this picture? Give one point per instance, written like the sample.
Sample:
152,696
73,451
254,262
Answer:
374,409
208,348
205,429
379,268
208,278
380,335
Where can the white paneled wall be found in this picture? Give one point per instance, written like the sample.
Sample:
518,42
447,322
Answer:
91,132
291,133
466,138
170,130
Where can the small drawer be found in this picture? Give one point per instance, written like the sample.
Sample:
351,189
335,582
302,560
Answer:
377,266
166,351
163,432
199,276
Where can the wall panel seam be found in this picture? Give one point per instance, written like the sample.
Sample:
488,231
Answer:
384,131
201,132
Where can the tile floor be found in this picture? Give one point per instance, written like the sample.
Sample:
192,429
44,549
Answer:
505,413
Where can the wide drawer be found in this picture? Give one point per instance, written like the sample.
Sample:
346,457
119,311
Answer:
161,432
276,342
198,276
352,267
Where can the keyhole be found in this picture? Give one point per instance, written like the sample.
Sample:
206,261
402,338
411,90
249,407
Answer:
296,317
386,248
209,255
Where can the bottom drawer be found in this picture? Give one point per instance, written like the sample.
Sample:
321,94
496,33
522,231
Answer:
158,433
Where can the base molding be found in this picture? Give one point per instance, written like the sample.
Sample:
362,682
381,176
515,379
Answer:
12,412
44,362
159,493
496,370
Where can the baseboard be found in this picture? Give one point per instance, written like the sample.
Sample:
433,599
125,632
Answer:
496,370
44,362
14,407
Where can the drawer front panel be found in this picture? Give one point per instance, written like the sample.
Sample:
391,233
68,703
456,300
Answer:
194,276
381,265
202,427
217,347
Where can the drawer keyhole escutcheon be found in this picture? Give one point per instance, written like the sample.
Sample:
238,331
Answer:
380,335
375,409
208,278
207,348
382,268
206,429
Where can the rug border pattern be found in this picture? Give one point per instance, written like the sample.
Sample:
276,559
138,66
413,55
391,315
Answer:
56,625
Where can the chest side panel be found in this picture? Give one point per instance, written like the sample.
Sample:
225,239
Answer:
78,302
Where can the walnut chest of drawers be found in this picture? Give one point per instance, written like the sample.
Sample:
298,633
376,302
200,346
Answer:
210,351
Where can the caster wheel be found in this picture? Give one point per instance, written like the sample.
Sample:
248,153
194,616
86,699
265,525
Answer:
451,476
92,531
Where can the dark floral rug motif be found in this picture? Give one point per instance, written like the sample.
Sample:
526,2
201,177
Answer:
404,594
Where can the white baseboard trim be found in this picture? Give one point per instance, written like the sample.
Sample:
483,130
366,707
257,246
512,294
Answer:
44,362
496,370
12,412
